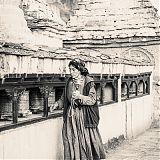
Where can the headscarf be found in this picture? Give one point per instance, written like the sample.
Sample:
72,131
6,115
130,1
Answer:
80,65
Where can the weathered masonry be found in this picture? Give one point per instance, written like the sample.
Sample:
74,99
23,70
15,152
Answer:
119,45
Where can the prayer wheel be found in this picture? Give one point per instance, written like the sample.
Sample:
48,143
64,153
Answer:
99,93
23,104
5,106
51,98
36,101
108,93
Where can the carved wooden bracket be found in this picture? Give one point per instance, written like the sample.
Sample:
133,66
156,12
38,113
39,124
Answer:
128,83
14,92
46,90
103,84
136,81
114,84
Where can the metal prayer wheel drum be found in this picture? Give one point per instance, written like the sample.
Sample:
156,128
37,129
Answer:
5,105
58,93
36,100
51,98
23,104
108,93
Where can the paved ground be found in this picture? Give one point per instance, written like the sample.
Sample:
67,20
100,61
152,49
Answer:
144,147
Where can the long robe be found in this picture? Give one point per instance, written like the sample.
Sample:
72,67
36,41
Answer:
80,142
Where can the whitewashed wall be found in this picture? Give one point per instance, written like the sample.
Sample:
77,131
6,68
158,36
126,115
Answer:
128,118
37,141
43,140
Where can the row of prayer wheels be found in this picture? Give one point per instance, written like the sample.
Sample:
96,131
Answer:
30,101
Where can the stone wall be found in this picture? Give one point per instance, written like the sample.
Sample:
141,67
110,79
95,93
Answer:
13,27
45,22
31,23
98,19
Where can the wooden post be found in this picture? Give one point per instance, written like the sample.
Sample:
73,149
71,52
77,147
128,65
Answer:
45,111
103,84
14,93
15,108
45,90
128,87
136,81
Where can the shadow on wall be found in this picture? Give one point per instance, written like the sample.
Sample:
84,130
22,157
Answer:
156,100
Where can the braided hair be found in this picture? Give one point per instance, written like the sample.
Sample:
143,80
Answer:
80,65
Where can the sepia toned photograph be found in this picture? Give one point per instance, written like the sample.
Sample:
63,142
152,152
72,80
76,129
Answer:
79,80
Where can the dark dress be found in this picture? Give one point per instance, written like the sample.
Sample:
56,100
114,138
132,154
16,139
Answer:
81,138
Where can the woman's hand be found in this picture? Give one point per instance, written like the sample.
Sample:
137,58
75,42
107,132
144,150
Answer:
76,95
53,107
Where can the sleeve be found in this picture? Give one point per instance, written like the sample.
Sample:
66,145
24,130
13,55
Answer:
91,98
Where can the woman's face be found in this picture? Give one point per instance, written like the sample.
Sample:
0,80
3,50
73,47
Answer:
74,72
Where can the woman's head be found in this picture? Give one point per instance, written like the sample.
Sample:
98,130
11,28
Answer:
77,67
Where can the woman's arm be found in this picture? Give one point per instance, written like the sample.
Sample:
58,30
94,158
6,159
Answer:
90,99
86,100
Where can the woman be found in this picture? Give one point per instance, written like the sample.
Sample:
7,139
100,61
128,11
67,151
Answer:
81,136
